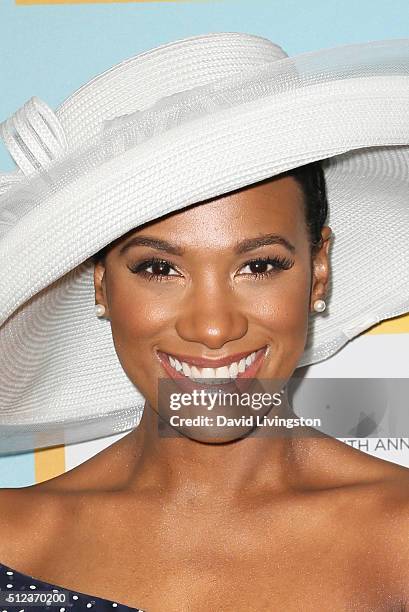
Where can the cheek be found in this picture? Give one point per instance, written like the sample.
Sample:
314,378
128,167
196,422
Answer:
281,311
282,303
138,313
137,320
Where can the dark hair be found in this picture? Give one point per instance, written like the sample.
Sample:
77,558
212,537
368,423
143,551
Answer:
311,179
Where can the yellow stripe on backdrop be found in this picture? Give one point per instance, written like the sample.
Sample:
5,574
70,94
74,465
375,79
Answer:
397,325
50,462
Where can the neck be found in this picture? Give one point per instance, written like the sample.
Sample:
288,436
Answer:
184,469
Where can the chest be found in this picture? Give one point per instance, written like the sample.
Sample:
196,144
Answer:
213,567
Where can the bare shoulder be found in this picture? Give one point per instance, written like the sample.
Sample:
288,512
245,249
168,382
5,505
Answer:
30,518
392,528
365,500
380,488
33,518
374,513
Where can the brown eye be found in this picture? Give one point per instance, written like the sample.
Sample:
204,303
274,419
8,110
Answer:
154,269
160,267
266,266
259,266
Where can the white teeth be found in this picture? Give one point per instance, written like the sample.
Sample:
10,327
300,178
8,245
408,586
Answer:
226,372
222,372
234,370
207,373
242,365
186,369
195,372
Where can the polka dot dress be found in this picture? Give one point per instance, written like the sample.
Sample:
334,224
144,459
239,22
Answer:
14,582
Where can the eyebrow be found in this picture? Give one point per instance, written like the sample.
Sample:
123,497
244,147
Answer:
241,247
259,241
154,243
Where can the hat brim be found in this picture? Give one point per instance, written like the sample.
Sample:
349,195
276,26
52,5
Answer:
58,362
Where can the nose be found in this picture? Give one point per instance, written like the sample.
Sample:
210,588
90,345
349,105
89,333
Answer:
211,315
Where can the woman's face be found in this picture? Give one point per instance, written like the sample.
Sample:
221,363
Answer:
223,279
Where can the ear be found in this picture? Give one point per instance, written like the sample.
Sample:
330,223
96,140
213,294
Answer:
321,268
100,286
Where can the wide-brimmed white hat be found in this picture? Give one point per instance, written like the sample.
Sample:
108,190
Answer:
179,124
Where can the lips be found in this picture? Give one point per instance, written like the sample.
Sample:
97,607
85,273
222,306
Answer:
194,372
208,362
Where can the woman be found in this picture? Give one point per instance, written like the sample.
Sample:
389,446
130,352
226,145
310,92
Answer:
220,282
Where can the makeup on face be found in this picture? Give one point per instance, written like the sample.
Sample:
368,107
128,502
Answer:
214,294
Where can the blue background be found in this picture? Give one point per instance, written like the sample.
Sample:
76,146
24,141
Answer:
49,51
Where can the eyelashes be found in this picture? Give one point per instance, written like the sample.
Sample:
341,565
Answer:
159,269
278,263
163,270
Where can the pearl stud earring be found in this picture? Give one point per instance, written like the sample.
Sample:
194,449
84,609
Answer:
99,310
319,305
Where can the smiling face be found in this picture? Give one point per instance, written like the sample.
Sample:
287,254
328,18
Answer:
220,289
